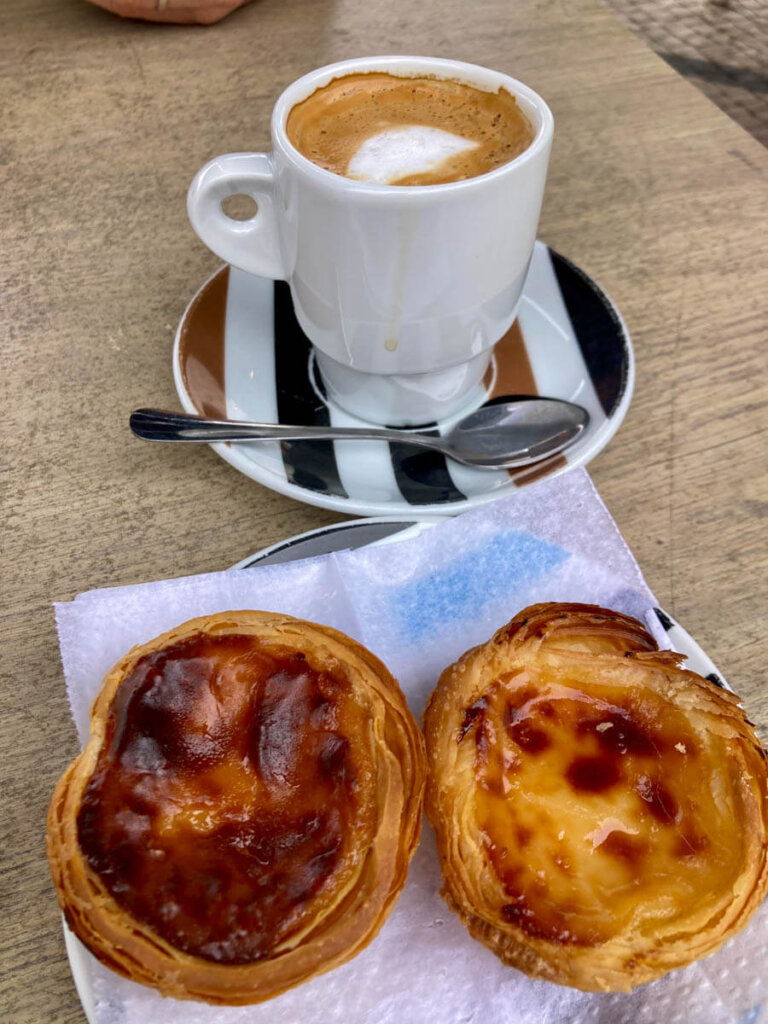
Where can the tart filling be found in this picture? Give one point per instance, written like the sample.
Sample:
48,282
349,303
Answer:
228,801
601,813
243,815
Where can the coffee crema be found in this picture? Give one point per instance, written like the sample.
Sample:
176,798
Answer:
418,130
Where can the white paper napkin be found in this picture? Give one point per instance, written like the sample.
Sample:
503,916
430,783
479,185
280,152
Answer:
418,604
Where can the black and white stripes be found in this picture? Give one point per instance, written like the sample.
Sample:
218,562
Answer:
310,465
568,336
697,660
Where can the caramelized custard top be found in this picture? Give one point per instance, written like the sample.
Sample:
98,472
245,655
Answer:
331,125
597,810
228,805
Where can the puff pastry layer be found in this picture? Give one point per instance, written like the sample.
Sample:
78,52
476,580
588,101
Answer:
244,812
601,813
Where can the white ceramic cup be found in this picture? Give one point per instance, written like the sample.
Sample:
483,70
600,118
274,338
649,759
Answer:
403,290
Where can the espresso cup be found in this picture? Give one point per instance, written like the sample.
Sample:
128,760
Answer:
402,289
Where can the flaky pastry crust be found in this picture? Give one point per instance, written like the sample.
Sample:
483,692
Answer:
244,812
601,813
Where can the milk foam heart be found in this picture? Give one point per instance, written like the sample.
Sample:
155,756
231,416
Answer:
399,152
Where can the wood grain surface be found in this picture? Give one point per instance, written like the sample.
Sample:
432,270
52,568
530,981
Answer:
652,190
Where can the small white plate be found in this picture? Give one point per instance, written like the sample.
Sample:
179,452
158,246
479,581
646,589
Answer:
341,537
240,354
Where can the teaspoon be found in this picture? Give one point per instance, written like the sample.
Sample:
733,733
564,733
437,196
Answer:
501,436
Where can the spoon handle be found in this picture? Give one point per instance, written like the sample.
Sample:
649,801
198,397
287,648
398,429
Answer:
161,425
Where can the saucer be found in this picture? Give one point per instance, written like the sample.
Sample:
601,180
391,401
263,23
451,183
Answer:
240,353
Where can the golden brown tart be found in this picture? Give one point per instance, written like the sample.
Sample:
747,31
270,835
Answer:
243,815
601,813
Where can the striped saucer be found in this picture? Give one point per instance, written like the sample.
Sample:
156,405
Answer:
240,354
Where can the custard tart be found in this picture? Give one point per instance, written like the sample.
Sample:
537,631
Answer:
244,812
601,813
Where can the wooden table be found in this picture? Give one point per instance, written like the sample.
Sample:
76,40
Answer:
652,190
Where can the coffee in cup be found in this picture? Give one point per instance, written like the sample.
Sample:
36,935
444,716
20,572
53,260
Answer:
401,130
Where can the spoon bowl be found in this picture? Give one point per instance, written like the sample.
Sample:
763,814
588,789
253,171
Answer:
515,433
501,435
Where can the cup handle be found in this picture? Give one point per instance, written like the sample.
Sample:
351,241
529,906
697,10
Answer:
252,245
